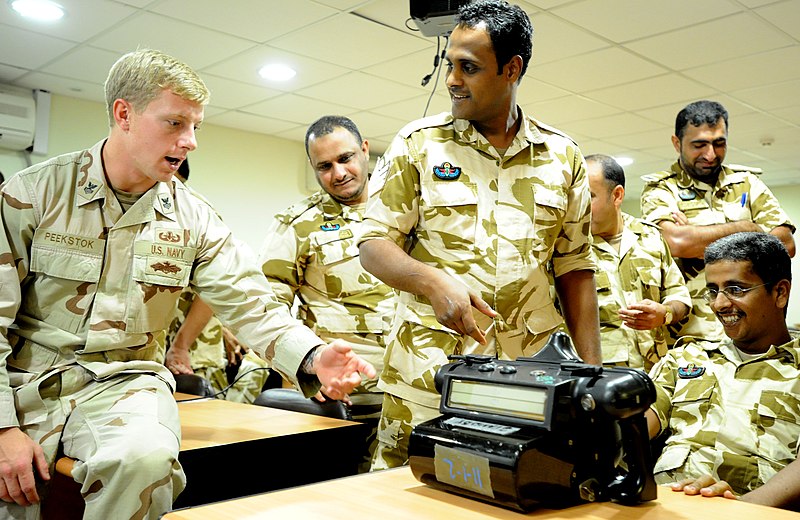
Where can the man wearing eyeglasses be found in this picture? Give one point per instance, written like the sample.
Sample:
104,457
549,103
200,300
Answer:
733,407
699,200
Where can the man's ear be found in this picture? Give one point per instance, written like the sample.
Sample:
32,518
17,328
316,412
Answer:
618,195
513,69
122,110
782,289
676,142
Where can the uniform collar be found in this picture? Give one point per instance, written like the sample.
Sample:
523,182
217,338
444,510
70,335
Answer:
332,209
790,349
91,184
528,133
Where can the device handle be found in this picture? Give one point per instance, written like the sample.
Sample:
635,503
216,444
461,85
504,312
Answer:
638,484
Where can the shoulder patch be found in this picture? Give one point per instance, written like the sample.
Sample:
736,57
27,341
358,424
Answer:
295,210
741,168
651,178
426,122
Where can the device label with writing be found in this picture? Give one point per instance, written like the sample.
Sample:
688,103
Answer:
462,469
470,424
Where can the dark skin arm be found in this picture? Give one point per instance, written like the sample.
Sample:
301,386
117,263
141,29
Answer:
578,297
451,300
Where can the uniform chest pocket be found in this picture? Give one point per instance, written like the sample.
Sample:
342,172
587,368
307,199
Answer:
549,209
66,281
735,211
159,275
778,425
67,264
332,247
450,212
691,400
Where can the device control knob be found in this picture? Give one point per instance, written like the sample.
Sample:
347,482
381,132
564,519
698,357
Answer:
477,359
508,369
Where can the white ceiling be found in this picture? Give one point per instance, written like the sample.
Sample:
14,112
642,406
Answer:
611,73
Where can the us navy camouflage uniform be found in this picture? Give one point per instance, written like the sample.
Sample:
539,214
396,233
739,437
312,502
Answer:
87,292
504,226
209,359
311,252
736,420
737,195
643,268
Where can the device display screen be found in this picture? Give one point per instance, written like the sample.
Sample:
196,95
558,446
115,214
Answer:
510,400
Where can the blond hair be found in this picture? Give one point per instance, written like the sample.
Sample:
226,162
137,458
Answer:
140,76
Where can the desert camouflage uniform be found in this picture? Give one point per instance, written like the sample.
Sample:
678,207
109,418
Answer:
504,226
87,293
643,268
738,195
311,252
209,358
736,420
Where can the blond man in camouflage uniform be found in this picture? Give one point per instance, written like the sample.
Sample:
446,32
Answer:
311,253
489,205
733,407
96,247
640,290
699,200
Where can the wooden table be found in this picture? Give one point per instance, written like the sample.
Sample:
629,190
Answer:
396,494
232,450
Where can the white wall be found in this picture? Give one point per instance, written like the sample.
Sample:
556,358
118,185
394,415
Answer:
248,177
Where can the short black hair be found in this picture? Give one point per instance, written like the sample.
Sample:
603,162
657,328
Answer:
612,171
508,26
327,124
703,112
766,253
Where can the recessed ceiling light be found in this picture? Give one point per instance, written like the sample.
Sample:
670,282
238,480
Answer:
40,10
277,72
624,161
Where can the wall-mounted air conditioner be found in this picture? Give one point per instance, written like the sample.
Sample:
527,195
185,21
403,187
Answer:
17,117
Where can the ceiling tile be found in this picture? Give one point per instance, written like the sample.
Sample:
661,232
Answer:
357,89
679,49
597,69
250,122
345,40
195,45
555,39
83,63
761,69
255,20
566,109
228,94
414,108
651,92
783,15
645,141
626,20
392,13
531,90
370,124
770,97
606,127
244,67
83,19
409,70
299,109
9,73
29,50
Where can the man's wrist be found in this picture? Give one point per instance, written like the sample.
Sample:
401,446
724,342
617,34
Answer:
308,364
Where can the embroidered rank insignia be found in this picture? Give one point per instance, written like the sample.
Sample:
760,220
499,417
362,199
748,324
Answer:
89,188
447,171
687,194
166,267
166,203
329,227
690,371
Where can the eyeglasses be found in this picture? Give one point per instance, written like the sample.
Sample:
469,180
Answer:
731,292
